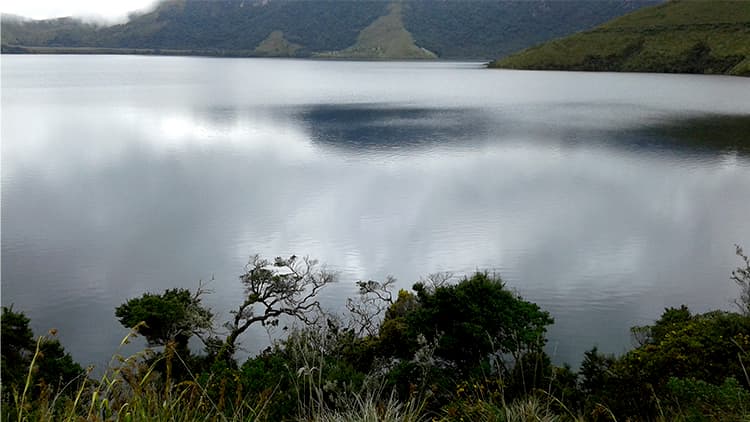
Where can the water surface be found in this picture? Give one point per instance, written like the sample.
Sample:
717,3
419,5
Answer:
602,197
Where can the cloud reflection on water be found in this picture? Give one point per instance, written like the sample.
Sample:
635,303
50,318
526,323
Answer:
595,212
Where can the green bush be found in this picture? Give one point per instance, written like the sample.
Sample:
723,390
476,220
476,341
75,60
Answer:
474,329
471,322
53,366
710,347
175,315
697,400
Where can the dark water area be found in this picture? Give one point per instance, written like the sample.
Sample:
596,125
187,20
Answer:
602,197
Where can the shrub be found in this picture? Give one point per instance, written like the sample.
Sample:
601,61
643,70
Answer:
697,400
710,347
471,322
43,363
175,315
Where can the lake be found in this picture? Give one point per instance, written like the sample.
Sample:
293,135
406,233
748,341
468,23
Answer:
602,197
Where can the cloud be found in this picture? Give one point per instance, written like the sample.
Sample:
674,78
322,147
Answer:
88,10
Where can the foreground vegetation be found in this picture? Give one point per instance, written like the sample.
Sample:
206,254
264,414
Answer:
680,36
466,350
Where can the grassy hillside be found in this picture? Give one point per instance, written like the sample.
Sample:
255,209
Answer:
276,45
303,28
681,36
386,37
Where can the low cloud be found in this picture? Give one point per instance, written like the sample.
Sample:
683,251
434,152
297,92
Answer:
89,11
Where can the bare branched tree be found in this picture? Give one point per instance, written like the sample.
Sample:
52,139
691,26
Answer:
282,288
367,309
437,280
741,276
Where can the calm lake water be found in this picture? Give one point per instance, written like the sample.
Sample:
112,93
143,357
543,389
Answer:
602,197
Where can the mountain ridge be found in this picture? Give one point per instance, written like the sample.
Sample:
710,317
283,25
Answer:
323,28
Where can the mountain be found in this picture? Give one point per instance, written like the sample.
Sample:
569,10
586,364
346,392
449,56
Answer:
446,29
384,38
681,36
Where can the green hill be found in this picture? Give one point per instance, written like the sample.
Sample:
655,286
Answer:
448,29
385,37
681,36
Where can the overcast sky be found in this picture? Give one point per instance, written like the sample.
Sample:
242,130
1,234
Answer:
109,10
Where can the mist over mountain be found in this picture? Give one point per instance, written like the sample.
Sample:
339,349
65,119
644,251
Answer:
323,28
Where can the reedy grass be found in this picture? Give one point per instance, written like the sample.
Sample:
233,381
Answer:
321,401
530,408
128,391
131,389
371,408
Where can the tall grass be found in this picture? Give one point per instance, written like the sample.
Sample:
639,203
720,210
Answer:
129,390
321,400
133,389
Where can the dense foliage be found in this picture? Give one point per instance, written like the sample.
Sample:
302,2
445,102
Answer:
174,315
679,348
465,350
468,323
25,358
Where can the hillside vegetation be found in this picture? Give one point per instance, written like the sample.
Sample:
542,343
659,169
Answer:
277,46
492,29
385,37
330,28
680,36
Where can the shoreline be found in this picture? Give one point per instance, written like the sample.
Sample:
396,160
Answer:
34,50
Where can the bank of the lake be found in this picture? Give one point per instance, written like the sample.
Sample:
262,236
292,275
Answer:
448,350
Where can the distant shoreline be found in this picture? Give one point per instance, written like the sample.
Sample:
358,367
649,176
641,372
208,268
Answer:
22,49
31,50
485,63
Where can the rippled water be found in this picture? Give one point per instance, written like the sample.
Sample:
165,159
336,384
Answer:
602,197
